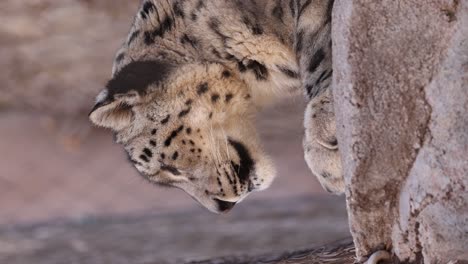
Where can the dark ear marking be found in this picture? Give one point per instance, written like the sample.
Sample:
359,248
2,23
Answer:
138,76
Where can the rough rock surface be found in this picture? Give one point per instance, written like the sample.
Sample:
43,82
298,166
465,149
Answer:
401,93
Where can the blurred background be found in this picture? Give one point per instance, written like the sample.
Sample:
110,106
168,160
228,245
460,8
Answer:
67,192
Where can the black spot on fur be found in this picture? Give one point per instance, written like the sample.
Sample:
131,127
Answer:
241,67
189,102
230,57
246,162
292,7
278,12
189,39
188,130
138,76
210,115
192,150
213,24
229,97
153,131
199,5
290,73
170,169
178,10
226,74
324,76
191,142
312,90
253,26
193,16
148,7
183,142
216,53
144,158
260,71
163,156
173,134
214,97
120,57
175,155
202,88
299,41
184,112
133,37
317,58
148,152
152,143
165,120
148,38
303,7
165,26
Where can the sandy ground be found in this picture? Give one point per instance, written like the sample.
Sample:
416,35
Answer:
62,168
256,228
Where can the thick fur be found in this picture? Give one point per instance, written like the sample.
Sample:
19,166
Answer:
192,74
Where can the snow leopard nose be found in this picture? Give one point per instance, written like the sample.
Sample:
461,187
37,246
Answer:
224,206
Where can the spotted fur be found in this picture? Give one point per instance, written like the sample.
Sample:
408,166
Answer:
190,77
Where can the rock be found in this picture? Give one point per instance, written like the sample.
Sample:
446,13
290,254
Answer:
401,92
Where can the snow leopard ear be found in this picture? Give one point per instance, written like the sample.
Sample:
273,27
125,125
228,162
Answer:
114,113
114,104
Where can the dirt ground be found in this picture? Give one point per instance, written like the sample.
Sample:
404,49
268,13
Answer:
259,230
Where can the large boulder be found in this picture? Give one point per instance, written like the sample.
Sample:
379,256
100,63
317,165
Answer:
401,92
